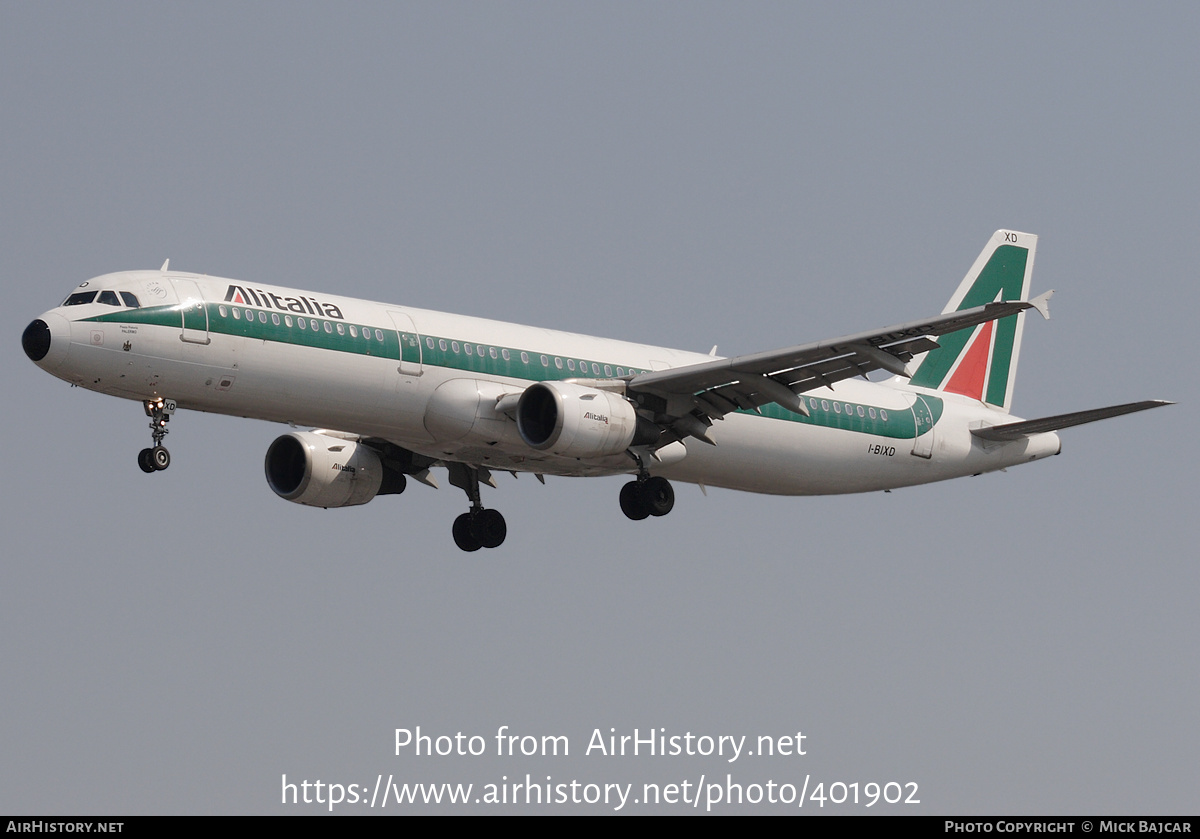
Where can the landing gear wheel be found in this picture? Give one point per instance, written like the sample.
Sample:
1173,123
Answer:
160,458
464,535
632,504
658,497
489,528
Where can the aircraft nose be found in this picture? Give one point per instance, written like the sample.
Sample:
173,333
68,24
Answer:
35,340
46,340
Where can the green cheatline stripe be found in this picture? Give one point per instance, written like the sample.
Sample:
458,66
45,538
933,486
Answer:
900,424
1003,275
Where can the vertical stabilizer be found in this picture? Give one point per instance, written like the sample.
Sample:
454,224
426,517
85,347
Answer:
981,362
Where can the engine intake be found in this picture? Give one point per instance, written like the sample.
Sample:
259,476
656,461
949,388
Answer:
571,420
323,471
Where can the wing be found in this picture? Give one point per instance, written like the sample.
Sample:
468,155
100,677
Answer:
685,400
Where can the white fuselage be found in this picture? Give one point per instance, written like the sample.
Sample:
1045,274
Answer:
430,382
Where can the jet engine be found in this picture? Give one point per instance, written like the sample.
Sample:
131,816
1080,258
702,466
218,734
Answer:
571,420
326,471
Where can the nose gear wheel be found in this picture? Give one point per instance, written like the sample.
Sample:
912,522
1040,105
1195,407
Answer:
157,458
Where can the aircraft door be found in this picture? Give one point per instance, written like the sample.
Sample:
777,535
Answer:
410,343
194,312
923,418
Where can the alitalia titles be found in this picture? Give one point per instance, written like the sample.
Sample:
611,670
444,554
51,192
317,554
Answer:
269,300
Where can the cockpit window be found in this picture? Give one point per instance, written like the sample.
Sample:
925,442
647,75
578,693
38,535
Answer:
79,298
130,300
108,298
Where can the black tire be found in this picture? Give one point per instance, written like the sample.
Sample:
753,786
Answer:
489,528
658,496
160,458
464,536
146,460
632,504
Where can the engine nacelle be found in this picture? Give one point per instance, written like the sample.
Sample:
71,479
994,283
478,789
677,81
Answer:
324,471
571,420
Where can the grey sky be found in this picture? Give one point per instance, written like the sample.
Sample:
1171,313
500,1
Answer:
750,175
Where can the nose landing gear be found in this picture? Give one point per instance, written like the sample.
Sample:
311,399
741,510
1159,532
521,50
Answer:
157,458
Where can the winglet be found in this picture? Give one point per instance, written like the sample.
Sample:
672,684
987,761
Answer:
1042,304
166,264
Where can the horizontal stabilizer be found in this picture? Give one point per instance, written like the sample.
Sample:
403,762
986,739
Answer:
1017,430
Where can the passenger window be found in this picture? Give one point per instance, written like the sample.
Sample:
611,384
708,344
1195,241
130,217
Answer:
571,364
288,320
492,352
262,317
454,346
224,312
524,358
237,314
545,361
883,415
607,370
441,345
328,327
505,355
131,300
860,410
341,328
558,362
302,323
275,319
595,369
469,350
378,335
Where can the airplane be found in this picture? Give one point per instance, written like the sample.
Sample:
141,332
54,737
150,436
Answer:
392,391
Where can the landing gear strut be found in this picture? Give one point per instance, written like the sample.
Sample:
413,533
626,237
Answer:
480,528
646,496
157,458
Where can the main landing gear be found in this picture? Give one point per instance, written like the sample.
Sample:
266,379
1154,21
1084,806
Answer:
646,496
157,458
649,497
480,528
